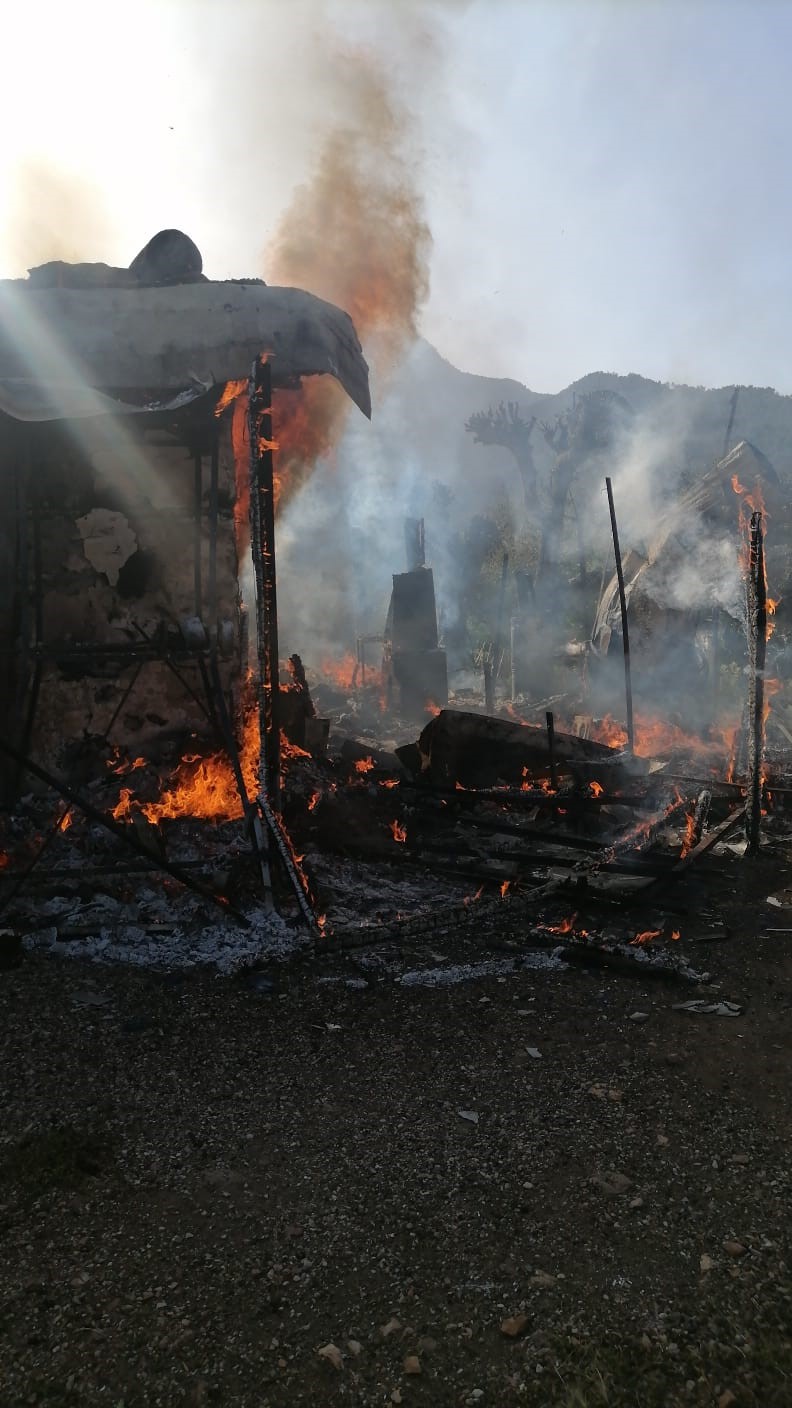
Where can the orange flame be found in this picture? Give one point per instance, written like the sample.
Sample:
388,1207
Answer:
504,889
339,672
364,765
646,937
314,802
398,832
596,789
389,782
675,934
689,838
231,391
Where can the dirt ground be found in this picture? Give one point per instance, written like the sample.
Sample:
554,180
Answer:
207,1181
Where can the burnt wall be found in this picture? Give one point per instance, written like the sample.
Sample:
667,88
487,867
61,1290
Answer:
104,585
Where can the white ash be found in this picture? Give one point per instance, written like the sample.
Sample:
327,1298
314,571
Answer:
469,972
222,945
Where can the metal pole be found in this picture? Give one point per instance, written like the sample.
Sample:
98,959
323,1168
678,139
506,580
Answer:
213,509
197,497
757,648
625,632
550,721
262,523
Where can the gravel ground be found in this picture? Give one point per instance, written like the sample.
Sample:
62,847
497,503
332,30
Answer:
509,1190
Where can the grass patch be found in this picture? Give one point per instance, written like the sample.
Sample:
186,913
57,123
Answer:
56,1159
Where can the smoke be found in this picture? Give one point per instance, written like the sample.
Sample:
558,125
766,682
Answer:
54,214
355,234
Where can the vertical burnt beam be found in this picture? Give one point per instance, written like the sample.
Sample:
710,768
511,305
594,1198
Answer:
756,588
214,472
262,537
623,608
197,530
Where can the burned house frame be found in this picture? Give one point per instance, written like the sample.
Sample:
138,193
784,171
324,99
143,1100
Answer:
121,613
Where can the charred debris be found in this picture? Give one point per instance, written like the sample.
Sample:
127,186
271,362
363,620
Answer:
169,770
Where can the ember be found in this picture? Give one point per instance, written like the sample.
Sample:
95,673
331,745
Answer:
399,833
364,765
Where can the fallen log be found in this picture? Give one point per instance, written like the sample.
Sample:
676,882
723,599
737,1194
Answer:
476,750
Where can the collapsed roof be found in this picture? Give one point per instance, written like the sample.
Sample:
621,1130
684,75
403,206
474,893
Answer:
77,340
709,500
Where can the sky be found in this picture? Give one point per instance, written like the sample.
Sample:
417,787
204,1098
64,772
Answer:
607,182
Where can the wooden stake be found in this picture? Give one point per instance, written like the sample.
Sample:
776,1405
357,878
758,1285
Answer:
625,632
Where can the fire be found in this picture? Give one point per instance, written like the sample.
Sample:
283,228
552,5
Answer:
389,782
675,934
314,802
432,708
231,391
364,765
504,889
65,821
596,789
291,750
689,838
645,937
565,927
203,788
655,736
339,672
240,444
399,833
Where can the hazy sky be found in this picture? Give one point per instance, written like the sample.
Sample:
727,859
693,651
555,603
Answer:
607,181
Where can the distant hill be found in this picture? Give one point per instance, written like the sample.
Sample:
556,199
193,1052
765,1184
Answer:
690,421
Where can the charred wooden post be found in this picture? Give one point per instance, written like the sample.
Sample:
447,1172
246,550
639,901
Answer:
415,543
551,750
756,591
262,535
623,608
498,643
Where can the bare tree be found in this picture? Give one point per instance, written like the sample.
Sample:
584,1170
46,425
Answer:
504,426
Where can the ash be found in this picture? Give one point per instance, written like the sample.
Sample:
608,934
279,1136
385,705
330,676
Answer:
145,934
494,968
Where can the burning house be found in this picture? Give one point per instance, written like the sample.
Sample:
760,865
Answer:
125,455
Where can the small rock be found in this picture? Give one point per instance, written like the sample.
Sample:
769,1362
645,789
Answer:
332,1354
636,1203
470,1115
355,1348
639,1016
740,1159
475,1395
514,1326
426,1345
706,1263
390,1329
615,1096
734,1248
534,1052
396,1396
663,1141
412,1364
543,1279
611,1183
727,1399
598,1091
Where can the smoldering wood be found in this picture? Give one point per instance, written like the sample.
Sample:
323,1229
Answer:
756,587
262,540
477,750
122,833
551,750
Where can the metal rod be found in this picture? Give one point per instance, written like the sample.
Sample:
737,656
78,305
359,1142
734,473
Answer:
197,498
756,586
551,749
623,608
498,646
121,832
262,522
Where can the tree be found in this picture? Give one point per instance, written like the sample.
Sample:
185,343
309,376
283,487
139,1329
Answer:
504,426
